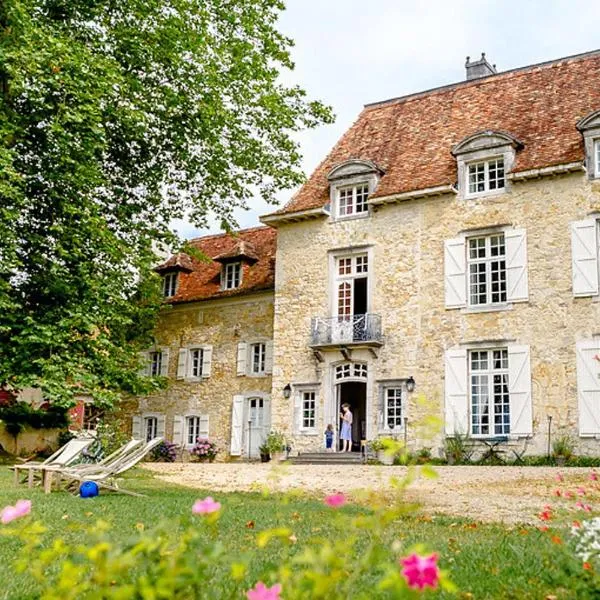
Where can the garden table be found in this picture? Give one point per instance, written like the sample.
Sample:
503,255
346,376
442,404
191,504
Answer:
493,452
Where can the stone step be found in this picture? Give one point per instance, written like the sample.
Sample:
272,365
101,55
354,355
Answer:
327,458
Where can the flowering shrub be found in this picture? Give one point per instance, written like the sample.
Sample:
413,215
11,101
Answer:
190,558
586,536
204,450
165,452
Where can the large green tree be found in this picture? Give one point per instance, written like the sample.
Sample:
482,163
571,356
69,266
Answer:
116,117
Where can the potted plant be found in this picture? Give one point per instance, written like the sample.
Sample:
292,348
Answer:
385,449
455,448
265,453
562,449
275,442
204,450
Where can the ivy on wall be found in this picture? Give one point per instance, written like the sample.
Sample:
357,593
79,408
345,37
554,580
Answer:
19,415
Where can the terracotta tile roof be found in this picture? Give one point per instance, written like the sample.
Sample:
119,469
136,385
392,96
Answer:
204,281
242,249
411,137
177,262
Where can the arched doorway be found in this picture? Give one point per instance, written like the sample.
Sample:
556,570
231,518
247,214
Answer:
351,387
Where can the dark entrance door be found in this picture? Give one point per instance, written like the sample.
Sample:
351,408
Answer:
354,393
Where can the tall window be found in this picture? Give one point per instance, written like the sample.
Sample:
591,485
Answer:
352,273
308,410
196,359
150,427
156,359
353,200
490,406
169,285
232,276
486,176
192,426
258,353
393,408
597,156
487,270
256,412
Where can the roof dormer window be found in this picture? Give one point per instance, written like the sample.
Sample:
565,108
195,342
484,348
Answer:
170,284
352,200
590,130
483,159
232,275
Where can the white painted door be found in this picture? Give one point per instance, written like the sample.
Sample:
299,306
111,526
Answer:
256,425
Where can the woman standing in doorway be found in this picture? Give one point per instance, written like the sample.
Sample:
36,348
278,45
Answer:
346,432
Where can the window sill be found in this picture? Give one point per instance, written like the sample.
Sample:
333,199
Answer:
364,215
486,195
257,375
486,309
308,432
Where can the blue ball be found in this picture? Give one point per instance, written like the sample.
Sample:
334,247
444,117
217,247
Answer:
88,489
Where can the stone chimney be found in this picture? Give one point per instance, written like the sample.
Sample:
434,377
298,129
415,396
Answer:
479,68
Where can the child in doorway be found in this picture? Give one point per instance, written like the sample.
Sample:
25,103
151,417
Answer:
329,438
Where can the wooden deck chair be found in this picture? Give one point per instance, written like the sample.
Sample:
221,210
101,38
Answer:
63,457
103,475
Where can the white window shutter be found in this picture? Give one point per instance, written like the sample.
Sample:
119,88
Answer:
242,357
160,426
269,357
588,387
207,361
178,422
455,389
517,285
204,427
584,250
144,359
455,272
182,358
519,389
237,425
136,427
164,363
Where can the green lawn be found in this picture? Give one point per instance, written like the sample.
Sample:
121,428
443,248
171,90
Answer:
484,561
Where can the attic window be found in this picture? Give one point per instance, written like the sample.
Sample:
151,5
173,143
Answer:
352,200
232,275
170,284
486,176
590,130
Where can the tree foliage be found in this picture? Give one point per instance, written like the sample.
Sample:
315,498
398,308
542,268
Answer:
117,116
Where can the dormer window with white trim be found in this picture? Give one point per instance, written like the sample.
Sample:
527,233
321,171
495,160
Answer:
590,130
483,160
352,200
486,176
170,284
232,275
351,183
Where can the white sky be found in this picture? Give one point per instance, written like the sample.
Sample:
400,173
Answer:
351,52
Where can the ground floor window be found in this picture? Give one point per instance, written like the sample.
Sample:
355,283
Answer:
490,401
393,408
308,410
256,411
193,429
150,427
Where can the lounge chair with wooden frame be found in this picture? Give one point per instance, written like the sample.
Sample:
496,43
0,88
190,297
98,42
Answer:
105,476
66,455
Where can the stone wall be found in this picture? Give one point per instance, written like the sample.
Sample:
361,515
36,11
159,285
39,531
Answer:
221,324
407,272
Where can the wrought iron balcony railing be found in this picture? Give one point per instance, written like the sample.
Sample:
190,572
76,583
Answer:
341,330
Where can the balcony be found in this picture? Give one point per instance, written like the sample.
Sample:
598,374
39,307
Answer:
351,331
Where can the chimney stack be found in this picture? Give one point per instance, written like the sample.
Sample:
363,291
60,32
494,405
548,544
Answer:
479,68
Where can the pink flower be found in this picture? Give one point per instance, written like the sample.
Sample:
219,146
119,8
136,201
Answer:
262,592
20,509
557,493
582,506
335,500
559,477
206,506
581,491
594,476
420,571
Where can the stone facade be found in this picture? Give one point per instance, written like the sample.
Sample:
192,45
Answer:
221,325
406,248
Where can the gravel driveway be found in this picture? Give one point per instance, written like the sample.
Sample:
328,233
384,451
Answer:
509,494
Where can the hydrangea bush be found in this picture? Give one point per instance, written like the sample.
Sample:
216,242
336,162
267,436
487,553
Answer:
165,452
204,449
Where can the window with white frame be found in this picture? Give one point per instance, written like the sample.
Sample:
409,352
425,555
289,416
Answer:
597,154
155,359
170,284
232,275
486,259
192,428
350,371
309,409
258,354
352,285
489,395
352,200
485,176
196,359
150,428
393,407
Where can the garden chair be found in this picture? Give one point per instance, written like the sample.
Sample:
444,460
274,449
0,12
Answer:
105,476
63,457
